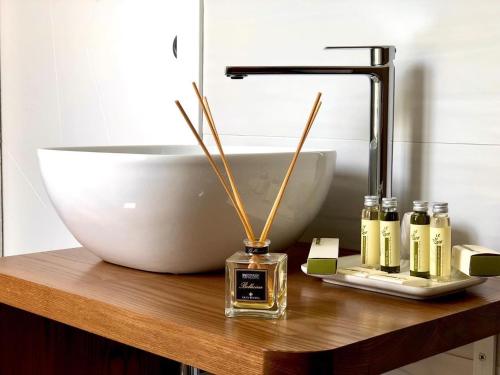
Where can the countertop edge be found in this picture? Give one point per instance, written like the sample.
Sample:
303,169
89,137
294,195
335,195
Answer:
168,340
383,352
174,338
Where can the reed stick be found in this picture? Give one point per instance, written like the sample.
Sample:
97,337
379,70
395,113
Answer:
274,209
248,231
209,110
314,117
208,114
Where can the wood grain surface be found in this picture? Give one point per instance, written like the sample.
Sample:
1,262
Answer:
326,329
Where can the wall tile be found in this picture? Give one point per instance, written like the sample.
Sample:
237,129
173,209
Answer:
279,106
339,216
463,175
447,87
466,351
438,364
87,73
35,225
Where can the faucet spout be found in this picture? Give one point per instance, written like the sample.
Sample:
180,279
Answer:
381,74
244,71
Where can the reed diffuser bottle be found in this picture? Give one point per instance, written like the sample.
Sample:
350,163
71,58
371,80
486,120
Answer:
370,237
419,240
256,281
389,236
440,244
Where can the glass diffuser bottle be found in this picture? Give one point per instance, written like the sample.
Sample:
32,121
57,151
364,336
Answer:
256,282
255,279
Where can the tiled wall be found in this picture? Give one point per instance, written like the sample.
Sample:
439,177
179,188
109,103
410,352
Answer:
86,73
79,72
76,73
447,114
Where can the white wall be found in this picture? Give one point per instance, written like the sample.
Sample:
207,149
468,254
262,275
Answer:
77,72
447,115
447,133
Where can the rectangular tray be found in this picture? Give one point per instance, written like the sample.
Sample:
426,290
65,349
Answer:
434,289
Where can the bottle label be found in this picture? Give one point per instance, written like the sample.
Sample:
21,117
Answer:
419,248
251,285
389,243
370,242
440,252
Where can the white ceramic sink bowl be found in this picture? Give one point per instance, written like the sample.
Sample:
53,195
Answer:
161,208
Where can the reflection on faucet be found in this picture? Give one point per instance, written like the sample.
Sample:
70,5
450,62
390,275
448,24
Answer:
381,74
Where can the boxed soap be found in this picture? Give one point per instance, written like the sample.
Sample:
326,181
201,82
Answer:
475,260
323,256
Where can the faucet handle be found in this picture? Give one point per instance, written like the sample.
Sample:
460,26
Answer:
379,55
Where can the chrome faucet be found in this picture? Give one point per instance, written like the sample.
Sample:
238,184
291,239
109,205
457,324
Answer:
381,74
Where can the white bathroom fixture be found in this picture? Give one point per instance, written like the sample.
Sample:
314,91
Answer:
162,209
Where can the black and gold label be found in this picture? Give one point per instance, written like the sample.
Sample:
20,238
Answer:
251,285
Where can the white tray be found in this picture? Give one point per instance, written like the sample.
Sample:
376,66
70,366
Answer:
433,289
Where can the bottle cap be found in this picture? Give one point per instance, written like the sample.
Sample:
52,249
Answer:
371,200
390,202
420,206
256,247
440,207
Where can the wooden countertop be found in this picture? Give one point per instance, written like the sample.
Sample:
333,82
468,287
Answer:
327,328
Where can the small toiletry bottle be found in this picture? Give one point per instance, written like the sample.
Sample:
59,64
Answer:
370,236
256,282
389,236
440,243
419,240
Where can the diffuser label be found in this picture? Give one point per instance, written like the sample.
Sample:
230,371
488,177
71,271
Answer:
419,248
251,285
370,253
389,243
440,251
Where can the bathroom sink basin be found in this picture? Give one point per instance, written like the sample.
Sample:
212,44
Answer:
162,209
